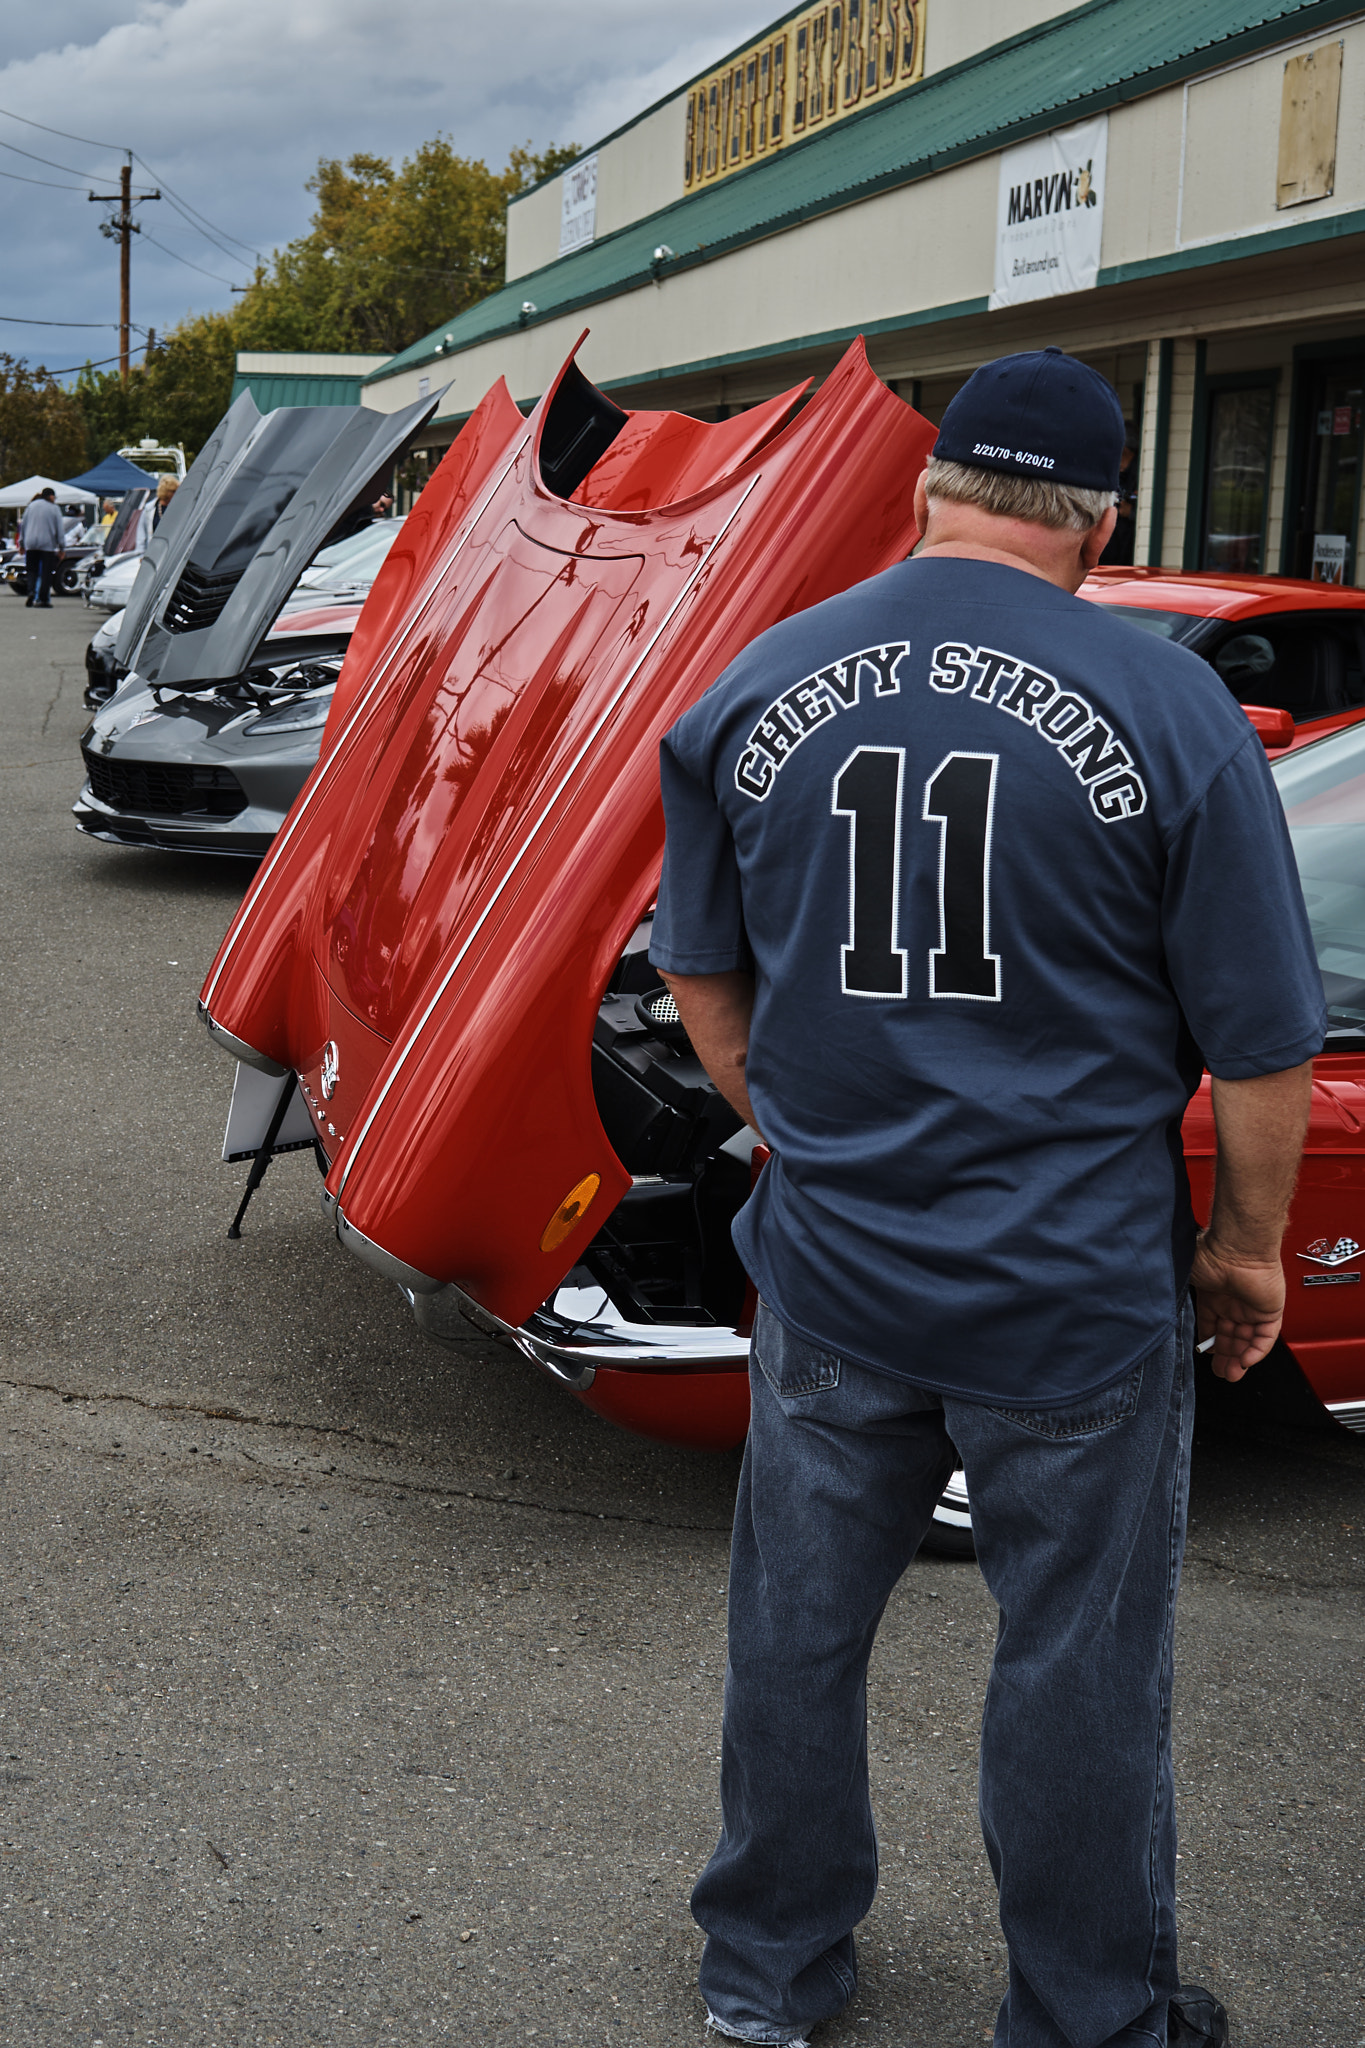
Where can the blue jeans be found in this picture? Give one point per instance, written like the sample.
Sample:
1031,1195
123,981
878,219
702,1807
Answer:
1079,1515
40,566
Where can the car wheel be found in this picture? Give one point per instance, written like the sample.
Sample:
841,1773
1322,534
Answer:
950,1532
68,580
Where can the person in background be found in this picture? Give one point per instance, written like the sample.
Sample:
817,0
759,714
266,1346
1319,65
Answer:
43,539
154,512
1119,550
108,513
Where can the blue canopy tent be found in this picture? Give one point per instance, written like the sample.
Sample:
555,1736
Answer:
113,476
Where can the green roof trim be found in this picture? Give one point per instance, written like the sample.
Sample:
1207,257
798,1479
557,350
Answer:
1097,57
272,388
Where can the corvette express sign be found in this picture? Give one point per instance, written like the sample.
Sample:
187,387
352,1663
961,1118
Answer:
1050,215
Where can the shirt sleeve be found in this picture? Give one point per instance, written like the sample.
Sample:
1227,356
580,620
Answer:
1237,939
699,922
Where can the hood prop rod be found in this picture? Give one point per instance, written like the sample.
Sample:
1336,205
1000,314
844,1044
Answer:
265,1153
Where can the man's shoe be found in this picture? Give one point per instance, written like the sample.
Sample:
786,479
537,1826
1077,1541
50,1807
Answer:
28,604
1196,2019
45,604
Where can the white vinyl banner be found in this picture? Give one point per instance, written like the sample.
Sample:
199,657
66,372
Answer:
578,205
1050,215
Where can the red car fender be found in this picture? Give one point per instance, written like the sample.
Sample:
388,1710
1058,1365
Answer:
484,827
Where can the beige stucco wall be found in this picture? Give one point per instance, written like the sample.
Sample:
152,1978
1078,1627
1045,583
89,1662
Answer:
642,170
533,229
1232,141
955,29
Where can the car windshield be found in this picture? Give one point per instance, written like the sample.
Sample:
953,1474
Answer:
1167,625
353,563
1322,788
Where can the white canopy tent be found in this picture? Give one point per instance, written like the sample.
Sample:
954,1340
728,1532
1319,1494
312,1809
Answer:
17,496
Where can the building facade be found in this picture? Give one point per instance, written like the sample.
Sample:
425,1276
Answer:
1173,191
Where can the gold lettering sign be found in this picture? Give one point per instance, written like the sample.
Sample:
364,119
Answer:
814,69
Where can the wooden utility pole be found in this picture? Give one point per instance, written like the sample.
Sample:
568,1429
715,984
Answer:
120,227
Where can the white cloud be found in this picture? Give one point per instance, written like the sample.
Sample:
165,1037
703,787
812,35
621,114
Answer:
233,101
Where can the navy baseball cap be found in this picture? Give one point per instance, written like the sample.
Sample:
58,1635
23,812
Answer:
1042,415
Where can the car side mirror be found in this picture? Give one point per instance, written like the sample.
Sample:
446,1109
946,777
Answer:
1274,728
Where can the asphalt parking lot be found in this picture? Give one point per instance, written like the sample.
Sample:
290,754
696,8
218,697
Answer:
360,1691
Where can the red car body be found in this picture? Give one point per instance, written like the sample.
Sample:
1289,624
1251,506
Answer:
1324,1323
428,945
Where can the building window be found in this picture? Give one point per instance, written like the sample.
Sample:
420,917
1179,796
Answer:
1241,422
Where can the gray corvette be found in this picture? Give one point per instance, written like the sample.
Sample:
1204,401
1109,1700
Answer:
224,665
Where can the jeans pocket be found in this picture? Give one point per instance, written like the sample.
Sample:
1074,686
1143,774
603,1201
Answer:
789,1363
1092,1415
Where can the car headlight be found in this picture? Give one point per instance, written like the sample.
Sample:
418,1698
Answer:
300,717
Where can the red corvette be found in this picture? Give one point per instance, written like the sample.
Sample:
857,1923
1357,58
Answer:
447,943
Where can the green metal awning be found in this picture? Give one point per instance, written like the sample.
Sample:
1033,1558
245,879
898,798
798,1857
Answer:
272,388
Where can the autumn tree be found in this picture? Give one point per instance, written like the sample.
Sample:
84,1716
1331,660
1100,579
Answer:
390,253
178,394
42,432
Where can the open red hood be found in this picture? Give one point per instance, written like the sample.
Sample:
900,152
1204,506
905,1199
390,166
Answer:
430,938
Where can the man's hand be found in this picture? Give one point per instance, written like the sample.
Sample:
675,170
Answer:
1241,1303
1237,1275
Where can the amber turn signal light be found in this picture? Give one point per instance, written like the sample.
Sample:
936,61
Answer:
570,1210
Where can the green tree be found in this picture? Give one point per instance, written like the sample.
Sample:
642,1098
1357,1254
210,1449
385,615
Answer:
390,253
179,393
42,432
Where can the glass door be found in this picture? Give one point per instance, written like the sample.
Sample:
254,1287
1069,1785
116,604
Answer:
1328,513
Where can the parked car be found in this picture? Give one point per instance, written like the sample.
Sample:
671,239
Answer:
1287,645
120,545
221,683
448,946
330,593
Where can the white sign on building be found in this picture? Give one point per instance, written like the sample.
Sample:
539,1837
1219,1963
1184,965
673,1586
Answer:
1050,215
578,204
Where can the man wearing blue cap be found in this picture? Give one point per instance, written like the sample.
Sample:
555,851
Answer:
949,907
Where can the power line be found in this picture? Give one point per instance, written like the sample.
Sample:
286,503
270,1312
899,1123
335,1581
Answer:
51,183
51,162
17,320
64,133
220,246
198,220
185,260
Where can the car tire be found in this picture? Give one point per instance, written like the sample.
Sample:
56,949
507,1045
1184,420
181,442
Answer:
950,1533
67,581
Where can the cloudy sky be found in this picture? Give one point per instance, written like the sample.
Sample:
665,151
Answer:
229,103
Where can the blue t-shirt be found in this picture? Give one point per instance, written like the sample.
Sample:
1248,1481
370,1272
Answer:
1006,870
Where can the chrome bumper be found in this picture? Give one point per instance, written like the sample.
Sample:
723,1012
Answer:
572,1348
239,1049
1352,1413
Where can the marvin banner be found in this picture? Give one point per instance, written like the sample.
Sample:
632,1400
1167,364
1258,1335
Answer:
1051,215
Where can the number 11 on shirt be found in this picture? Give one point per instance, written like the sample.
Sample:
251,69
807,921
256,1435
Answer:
959,797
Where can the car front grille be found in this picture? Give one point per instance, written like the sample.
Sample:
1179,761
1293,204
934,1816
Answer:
198,601
165,789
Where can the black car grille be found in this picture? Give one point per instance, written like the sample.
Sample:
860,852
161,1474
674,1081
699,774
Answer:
198,601
165,789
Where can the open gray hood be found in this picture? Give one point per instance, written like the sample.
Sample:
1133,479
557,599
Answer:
261,499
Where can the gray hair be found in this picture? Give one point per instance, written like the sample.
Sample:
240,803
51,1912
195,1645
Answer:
1017,497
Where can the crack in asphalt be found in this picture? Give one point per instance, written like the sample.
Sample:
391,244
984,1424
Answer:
1269,1578
52,706
380,1480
